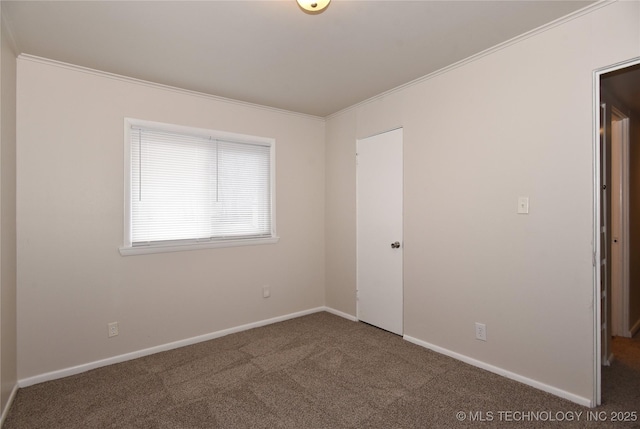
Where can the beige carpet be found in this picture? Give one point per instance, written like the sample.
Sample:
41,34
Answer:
317,371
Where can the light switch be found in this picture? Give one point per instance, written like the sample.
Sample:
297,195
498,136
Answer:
523,205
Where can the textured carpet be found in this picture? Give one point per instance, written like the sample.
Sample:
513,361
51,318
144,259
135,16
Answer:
317,371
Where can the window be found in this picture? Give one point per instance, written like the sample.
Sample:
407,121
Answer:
190,188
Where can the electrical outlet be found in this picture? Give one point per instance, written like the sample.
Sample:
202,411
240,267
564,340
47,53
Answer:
112,329
481,331
266,291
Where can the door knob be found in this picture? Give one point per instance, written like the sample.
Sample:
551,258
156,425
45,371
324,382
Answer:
395,245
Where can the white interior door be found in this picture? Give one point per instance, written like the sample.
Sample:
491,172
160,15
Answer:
379,230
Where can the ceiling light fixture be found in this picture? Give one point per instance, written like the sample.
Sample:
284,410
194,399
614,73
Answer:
313,6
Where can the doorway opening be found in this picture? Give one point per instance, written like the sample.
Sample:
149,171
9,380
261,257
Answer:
616,210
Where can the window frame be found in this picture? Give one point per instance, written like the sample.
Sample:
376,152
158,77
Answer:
128,248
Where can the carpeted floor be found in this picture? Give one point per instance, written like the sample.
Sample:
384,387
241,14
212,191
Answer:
317,371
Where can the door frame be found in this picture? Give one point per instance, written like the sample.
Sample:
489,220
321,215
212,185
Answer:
620,264
597,296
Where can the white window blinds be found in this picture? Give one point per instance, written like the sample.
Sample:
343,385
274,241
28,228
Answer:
197,188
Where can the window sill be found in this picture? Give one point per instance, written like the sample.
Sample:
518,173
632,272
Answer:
173,247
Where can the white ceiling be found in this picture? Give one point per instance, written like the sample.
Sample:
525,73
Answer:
269,52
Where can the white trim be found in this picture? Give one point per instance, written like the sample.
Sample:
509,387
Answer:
567,18
78,369
130,123
158,248
634,329
626,202
127,79
503,372
7,406
341,314
128,249
620,318
597,296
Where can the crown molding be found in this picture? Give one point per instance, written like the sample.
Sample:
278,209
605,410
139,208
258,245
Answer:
141,82
475,57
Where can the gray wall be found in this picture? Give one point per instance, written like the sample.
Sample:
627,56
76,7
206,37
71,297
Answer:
72,280
8,340
515,122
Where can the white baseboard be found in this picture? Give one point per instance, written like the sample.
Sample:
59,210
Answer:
341,314
609,360
54,375
634,329
7,407
503,372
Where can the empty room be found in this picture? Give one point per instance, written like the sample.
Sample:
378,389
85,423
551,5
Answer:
344,214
